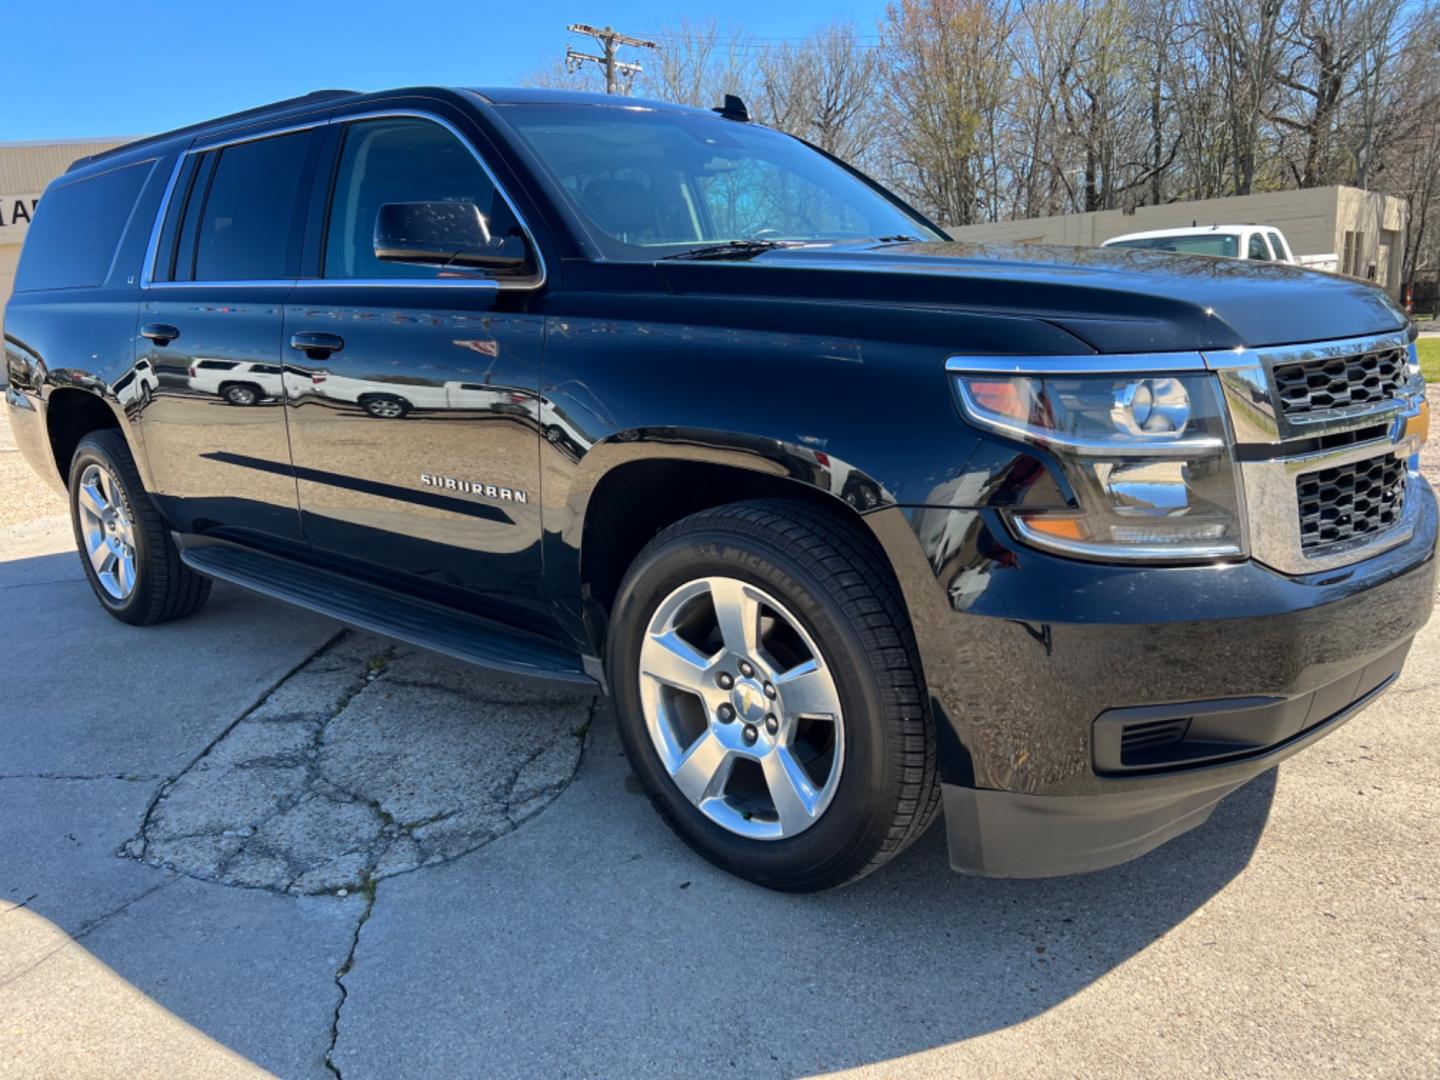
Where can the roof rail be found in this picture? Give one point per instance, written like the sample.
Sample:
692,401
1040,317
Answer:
315,97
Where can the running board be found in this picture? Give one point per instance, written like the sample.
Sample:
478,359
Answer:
474,640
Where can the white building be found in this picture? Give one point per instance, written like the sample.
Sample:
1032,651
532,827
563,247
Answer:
25,169
1364,229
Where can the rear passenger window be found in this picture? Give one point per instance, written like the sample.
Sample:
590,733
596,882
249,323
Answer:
400,160
77,228
240,221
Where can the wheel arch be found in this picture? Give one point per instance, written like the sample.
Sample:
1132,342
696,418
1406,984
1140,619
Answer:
71,413
628,490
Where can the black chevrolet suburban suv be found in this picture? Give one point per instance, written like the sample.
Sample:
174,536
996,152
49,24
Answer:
855,525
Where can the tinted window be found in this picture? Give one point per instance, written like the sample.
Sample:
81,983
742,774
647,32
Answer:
1224,244
1282,249
406,160
652,178
244,229
77,227
1258,251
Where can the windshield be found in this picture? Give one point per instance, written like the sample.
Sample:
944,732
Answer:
1226,244
652,182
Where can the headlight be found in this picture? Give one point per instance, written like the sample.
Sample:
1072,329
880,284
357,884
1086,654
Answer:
1148,458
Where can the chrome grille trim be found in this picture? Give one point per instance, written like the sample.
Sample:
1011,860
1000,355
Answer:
1251,389
1281,445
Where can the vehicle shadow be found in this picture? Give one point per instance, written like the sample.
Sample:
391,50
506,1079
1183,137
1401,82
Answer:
993,953
593,913
595,919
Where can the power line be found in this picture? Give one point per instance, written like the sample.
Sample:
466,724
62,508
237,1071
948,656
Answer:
609,40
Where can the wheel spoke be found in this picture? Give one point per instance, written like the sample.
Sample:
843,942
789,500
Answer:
704,770
808,690
738,612
100,555
107,486
124,573
790,789
673,660
92,498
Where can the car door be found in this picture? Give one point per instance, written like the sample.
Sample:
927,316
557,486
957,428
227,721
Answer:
212,313
1258,250
412,389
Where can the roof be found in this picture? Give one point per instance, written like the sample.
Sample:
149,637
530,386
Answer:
504,95
533,95
259,112
1193,230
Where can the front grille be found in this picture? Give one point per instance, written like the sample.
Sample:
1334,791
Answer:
1318,386
1349,501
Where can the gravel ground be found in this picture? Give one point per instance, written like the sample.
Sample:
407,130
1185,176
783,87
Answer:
23,495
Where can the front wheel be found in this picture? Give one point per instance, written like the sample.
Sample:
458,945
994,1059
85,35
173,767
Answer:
769,695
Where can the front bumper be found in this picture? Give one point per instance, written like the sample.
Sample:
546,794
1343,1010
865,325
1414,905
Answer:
1049,680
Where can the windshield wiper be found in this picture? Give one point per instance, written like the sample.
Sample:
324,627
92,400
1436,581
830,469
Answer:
733,249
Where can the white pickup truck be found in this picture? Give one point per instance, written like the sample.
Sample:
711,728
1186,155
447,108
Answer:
1259,243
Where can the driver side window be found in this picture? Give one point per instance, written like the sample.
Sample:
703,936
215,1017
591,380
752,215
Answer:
1258,251
400,160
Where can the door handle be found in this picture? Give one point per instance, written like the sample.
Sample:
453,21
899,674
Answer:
316,345
160,333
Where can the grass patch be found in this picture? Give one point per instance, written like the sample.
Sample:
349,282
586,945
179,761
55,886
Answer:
1430,359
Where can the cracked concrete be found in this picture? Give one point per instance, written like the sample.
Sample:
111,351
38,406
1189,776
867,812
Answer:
369,760
1293,935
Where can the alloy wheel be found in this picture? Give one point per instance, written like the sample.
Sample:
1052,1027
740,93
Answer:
742,708
109,531
385,409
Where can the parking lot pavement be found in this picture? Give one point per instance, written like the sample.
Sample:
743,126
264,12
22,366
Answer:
250,842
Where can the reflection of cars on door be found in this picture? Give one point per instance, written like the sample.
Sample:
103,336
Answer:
394,401
138,384
857,526
237,381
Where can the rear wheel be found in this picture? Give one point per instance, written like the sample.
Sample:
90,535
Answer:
129,559
769,695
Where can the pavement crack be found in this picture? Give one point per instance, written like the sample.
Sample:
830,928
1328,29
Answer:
21,904
325,783
137,846
40,584
133,777
86,928
343,970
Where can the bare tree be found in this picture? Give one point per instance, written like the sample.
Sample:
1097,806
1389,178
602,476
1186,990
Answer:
947,76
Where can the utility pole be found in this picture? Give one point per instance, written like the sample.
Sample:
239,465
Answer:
608,39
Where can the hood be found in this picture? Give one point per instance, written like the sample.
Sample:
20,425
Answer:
1114,299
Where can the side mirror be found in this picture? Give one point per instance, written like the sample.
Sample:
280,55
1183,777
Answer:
445,234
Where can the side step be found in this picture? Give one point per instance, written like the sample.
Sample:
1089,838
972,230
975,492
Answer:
476,641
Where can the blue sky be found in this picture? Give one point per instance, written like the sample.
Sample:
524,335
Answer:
79,68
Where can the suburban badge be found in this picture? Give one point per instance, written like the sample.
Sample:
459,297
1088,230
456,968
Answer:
474,487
